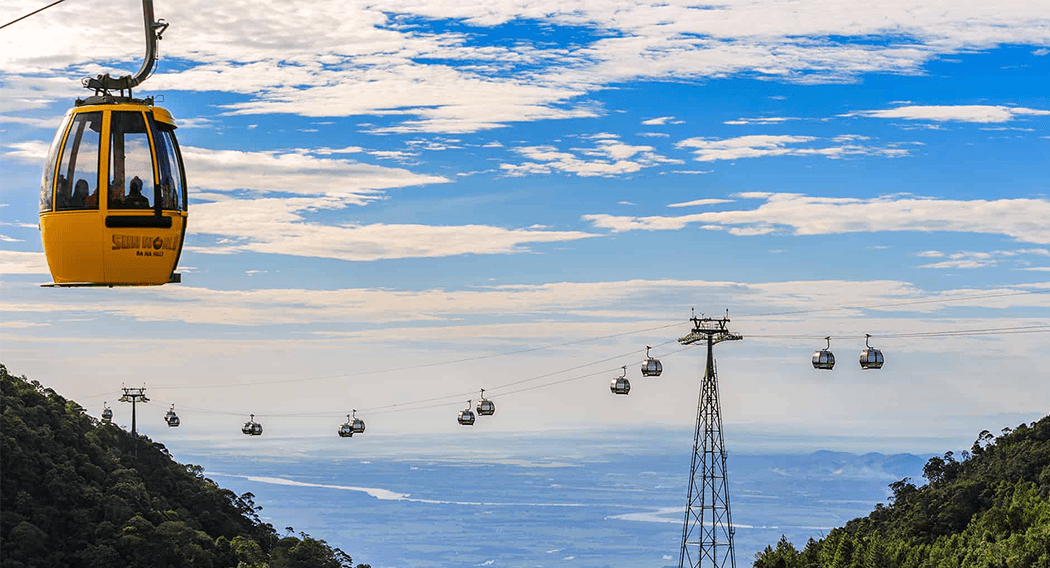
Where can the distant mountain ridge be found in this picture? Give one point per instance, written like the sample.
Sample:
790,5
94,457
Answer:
74,494
989,509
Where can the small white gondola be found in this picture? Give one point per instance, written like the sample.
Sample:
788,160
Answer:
824,358
651,367
485,406
171,418
466,417
107,414
347,429
252,428
870,358
620,385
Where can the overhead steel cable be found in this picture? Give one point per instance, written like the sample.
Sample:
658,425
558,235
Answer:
585,340
421,365
574,368
413,405
409,406
560,381
33,13
1042,328
894,304
948,333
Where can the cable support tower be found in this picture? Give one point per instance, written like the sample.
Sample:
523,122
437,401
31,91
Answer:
707,532
134,395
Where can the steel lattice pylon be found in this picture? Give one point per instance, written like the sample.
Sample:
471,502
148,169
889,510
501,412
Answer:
707,533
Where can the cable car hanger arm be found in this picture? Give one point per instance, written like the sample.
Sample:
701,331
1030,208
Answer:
154,29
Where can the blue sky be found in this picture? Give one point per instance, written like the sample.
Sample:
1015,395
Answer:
377,185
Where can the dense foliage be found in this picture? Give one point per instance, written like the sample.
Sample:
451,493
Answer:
73,493
991,509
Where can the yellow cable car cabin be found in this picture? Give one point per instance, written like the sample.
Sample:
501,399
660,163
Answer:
113,195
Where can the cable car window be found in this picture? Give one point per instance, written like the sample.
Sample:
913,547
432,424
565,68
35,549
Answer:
77,184
172,184
131,182
47,181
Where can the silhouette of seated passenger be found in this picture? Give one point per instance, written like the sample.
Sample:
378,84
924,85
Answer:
135,198
80,193
62,195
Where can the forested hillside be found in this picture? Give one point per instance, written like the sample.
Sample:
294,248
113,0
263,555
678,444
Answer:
988,509
74,494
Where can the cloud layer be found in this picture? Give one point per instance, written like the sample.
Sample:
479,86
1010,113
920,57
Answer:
1022,219
336,59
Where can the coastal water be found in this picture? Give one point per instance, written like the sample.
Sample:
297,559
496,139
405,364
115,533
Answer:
541,507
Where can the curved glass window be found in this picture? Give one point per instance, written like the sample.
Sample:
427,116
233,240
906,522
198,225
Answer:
131,181
77,183
169,162
47,180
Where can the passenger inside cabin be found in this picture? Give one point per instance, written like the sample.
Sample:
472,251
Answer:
135,198
80,194
62,195
167,194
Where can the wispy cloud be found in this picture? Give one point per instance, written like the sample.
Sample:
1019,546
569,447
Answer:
661,120
761,120
977,259
1022,219
954,113
283,226
14,262
609,157
698,202
757,146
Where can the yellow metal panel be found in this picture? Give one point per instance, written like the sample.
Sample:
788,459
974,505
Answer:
73,245
162,115
141,255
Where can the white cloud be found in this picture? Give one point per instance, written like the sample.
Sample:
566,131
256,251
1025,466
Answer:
956,113
295,173
282,226
661,120
979,259
700,202
29,152
15,262
756,146
609,157
50,123
197,122
962,263
1041,52
930,254
1022,219
761,120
